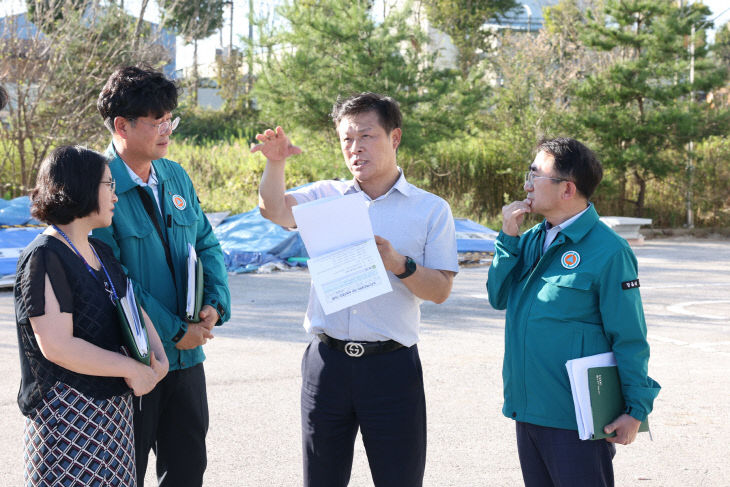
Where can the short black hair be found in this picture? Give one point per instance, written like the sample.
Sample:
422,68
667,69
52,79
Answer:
384,106
574,161
3,97
67,186
136,91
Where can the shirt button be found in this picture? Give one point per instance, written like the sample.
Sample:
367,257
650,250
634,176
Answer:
182,363
514,414
354,311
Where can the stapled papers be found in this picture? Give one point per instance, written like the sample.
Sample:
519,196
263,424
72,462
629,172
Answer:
344,264
194,286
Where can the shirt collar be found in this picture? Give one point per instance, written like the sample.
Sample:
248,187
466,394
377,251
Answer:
152,181
121,172
401,185
562,226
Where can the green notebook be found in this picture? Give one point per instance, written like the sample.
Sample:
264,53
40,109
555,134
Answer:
607,401
133,327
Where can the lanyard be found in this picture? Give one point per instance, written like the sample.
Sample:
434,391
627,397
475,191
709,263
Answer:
113,292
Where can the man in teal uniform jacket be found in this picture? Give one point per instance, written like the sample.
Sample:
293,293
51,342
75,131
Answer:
157,216
571,290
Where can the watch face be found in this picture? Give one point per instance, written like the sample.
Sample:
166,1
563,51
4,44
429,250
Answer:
410,268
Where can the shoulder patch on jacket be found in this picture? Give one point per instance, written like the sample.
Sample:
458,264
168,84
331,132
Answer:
630,284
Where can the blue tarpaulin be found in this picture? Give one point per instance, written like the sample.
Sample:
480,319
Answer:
249,241
16,212
473,237
12,242
12,237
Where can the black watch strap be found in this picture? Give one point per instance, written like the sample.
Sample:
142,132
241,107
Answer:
410,268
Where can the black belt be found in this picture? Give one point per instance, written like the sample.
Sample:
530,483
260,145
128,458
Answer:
359,349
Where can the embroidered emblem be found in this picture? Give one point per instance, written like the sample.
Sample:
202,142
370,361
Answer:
630,284
179,202
570,259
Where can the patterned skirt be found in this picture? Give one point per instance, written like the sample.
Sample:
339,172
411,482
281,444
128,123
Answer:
74,440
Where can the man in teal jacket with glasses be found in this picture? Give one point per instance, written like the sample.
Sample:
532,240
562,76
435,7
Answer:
157,216
571,289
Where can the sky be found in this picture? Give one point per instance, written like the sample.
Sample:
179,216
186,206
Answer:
207,47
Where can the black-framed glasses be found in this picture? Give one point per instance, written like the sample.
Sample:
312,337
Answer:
162,127
112,184
530,177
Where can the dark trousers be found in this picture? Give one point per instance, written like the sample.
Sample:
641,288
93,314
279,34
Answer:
557,457
382,395
173,421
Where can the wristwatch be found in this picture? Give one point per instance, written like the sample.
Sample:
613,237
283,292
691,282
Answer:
410,268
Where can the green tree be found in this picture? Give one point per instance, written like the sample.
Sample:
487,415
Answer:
193,20
329,48
232,85
54,77
464,21
722,45
45,13
640,110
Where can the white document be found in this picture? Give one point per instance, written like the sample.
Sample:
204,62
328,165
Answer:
332,223
578,375
344,263
190,299
129,305
348,276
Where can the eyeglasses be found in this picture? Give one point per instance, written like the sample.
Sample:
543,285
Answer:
162,127
112,184
530,177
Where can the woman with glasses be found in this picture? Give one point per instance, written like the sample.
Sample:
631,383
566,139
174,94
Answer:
76,384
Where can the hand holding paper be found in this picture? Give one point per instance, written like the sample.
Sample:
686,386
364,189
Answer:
598,400
134,330
626,428
345,264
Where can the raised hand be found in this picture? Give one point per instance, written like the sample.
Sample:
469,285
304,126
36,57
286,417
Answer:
513,215
275,145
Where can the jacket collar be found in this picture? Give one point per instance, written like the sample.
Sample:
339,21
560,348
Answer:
579,228
120,174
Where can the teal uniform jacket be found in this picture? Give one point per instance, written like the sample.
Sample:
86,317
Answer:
557,311
137,246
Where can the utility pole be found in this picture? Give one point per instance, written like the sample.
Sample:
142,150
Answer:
250,55
690,162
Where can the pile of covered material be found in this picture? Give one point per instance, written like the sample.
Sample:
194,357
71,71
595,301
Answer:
17,229
250,242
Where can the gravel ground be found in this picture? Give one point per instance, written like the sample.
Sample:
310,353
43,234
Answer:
254,362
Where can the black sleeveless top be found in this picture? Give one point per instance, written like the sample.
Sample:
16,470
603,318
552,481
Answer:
79,293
